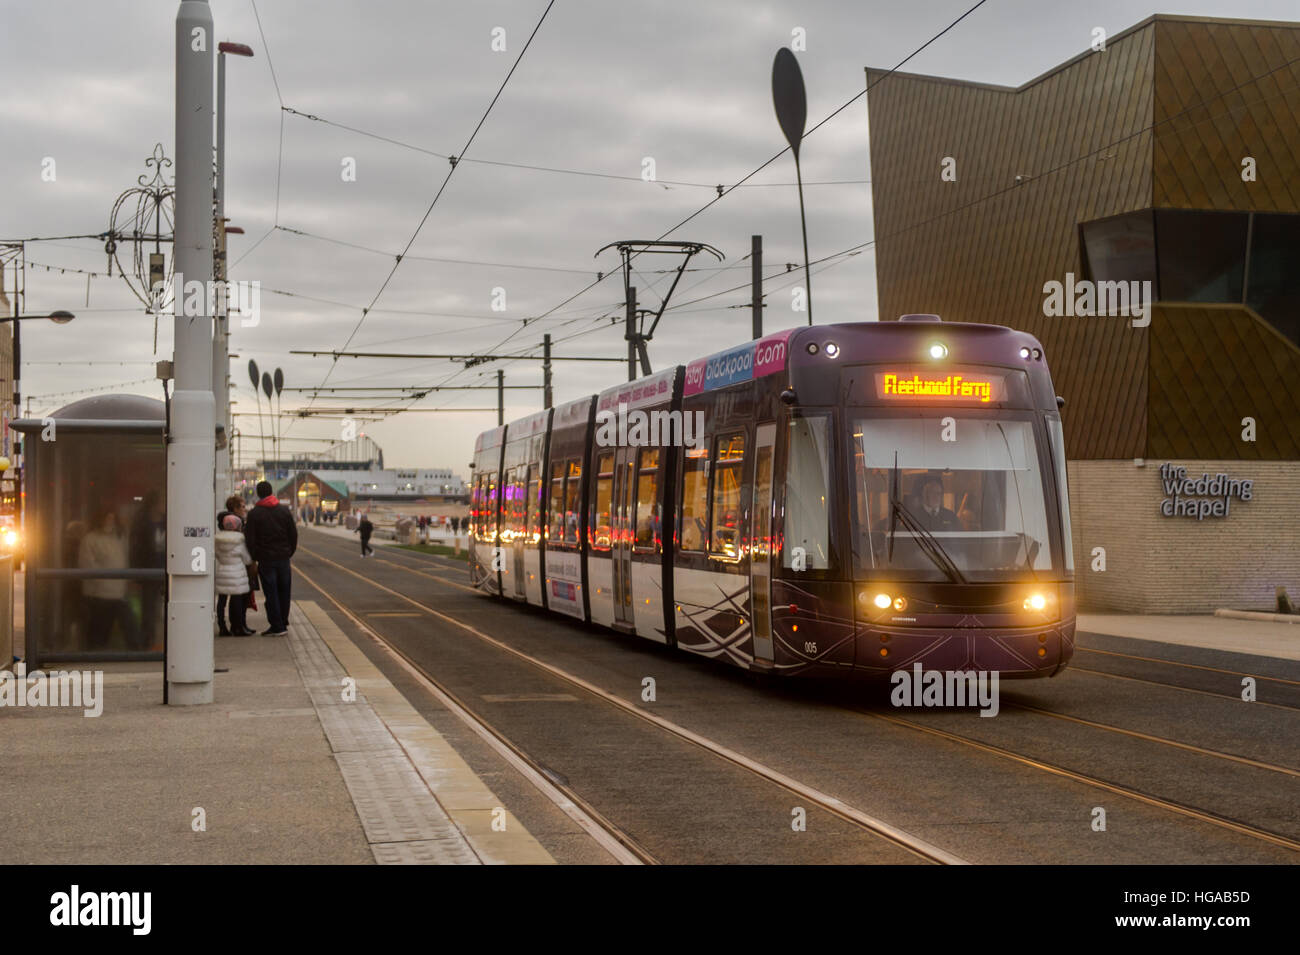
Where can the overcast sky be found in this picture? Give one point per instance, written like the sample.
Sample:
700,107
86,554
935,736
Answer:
605,84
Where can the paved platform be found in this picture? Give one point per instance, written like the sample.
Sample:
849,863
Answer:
281,769
1256,637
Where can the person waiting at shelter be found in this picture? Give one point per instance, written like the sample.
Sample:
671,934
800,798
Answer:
104,548
272,538
233,561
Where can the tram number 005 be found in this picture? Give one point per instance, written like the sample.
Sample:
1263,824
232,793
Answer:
809,646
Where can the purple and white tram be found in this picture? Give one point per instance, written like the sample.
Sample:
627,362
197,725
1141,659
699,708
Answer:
836,499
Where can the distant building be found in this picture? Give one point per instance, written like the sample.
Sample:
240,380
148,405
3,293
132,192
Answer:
314,493
358,466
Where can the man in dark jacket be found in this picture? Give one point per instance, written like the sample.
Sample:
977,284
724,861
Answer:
366,529
272,538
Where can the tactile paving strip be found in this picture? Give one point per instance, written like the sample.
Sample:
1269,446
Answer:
403,822
356,729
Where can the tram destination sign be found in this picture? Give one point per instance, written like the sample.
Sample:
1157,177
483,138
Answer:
1201,497
910,384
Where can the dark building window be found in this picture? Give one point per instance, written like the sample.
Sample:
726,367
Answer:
1204,256
1273,285
1201,255
1121,248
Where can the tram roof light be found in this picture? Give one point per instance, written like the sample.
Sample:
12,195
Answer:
832,350
938,350
1024,352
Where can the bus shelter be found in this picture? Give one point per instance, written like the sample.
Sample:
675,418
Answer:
95,525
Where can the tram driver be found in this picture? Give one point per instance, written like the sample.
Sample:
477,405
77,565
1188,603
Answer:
931,513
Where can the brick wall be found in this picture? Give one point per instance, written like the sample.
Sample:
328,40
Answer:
1157,564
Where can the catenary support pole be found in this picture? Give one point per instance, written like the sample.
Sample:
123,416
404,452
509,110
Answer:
190,453
756,283
220,332
546,371
501,397
630,334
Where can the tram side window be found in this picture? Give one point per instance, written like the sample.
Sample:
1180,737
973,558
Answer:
555,506
517,527
486,508
572,501
480,507
807,536
695,499
600,518
475,505
508,504
728,466
533,509
649,528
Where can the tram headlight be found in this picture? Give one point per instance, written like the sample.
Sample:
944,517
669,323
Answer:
1041,601
10,538
884,601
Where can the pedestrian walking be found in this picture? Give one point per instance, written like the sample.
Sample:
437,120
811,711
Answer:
272,538
233,563
365,528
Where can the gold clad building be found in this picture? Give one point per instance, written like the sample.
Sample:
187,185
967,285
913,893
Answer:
1137,208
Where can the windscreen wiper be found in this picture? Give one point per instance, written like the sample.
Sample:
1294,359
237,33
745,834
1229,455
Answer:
928,543
893,515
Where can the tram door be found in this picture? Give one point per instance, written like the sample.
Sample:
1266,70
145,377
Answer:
760,546
621,535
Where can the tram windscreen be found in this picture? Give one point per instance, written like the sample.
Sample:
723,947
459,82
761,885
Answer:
944,497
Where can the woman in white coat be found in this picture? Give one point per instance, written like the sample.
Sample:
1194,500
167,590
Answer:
233,561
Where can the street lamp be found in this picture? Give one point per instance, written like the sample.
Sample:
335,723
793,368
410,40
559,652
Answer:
221,338
59,317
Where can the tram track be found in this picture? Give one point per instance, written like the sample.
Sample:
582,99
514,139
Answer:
1136,734
1075,668
1189,666
1157,802
1106,727
609,836
824,801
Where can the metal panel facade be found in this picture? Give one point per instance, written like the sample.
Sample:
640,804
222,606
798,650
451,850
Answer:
1161,118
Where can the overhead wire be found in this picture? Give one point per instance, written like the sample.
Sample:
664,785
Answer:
724,192
429,211
561,171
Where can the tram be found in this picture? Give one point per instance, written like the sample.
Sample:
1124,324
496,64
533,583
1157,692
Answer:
837,499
